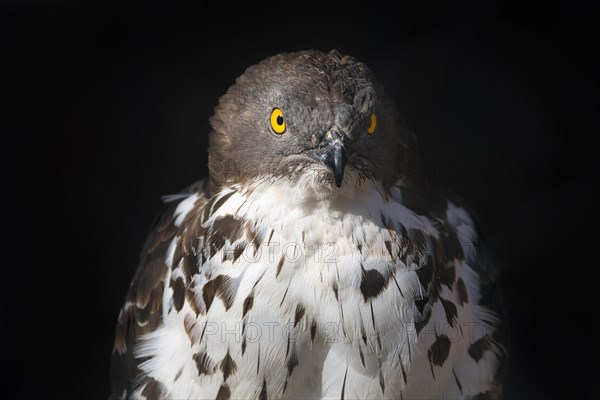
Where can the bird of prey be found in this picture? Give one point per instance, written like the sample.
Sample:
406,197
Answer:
314,261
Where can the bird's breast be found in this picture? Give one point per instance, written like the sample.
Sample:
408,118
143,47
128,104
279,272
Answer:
293,293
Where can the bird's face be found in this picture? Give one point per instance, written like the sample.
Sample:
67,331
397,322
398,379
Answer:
308,115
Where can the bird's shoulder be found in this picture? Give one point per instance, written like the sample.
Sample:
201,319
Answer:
143,307
462,234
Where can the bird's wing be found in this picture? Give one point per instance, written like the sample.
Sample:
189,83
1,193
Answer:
461,238
143,308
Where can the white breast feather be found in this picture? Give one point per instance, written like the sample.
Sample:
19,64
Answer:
318,240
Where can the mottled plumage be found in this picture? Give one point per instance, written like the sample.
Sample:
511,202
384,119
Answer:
313,263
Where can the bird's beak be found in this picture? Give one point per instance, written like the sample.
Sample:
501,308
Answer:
332,153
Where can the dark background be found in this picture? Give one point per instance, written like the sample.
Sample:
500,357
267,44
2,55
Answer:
106,110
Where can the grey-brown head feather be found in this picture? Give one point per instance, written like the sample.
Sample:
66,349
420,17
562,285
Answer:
315,91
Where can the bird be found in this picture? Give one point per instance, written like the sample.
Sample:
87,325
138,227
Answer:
316,260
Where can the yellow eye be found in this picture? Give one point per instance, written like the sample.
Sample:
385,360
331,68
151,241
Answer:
373,126
277,121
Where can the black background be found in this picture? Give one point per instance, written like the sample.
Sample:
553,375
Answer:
106,110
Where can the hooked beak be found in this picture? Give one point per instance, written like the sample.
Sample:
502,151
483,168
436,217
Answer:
332,153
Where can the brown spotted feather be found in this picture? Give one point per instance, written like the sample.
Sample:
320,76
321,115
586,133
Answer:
142,311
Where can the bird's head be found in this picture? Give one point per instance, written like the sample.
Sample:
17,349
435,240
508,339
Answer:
311,116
